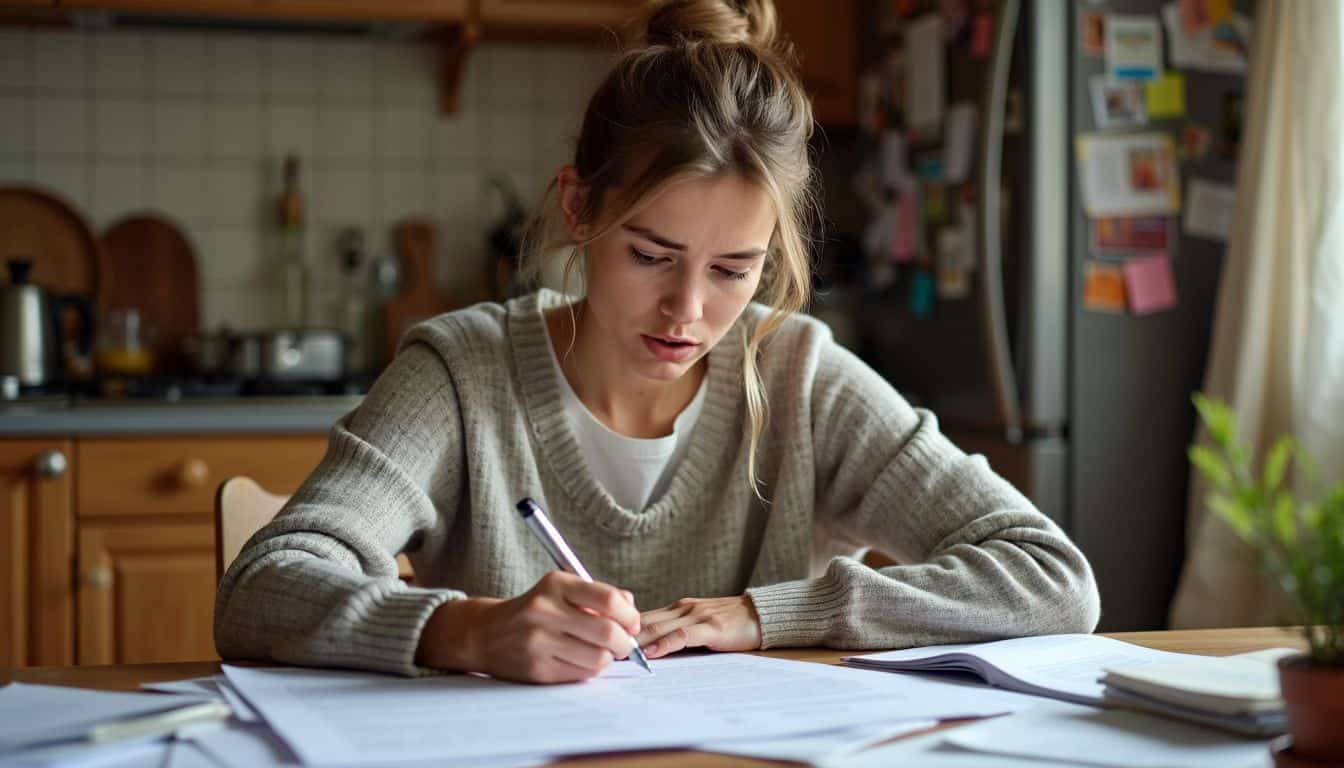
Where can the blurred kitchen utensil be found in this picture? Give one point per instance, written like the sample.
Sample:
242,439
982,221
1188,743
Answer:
148,264
208,353
309,354
419,298
40,227
32,348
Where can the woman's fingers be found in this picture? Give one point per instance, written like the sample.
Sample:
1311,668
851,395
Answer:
602,599
597,632
718,623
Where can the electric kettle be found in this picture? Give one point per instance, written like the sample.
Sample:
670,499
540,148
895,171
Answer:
32,346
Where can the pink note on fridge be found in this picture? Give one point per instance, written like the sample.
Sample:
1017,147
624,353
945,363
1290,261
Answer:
1149,284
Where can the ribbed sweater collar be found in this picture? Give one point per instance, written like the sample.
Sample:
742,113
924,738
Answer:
715,439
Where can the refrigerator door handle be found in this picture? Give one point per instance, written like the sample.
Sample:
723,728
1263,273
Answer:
993,315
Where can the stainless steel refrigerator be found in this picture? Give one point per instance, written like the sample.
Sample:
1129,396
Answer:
1088,413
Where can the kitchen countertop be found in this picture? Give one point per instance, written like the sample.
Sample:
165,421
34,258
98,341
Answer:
251,415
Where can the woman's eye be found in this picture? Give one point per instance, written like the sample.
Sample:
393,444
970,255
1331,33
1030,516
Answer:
729,274
641,257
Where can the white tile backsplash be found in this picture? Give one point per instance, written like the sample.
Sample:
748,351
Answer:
15,170
233,196
13,126
235,129
401,193
345,72
346,133
59,125
119,187
403,135
506,137
59,62
68,179
454,140
407,73
237,66
121,128
179,64
459,197
233,256
346,194
121,65
290,128
291,70
179,130
177,190
195,126
14,73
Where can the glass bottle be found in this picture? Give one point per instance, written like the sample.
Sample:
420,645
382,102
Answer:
290,246
352,304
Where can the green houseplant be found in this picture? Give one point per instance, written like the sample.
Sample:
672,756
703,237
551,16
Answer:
1300,543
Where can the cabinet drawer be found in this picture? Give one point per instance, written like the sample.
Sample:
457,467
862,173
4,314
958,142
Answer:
118,477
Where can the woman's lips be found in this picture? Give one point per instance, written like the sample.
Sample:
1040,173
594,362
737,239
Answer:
664,348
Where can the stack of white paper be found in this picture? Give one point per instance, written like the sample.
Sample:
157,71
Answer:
44,725
330,717
1067,667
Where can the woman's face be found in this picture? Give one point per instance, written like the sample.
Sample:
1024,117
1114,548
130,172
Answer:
664,287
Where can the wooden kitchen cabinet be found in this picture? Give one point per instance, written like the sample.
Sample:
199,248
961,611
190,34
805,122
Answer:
107,545
146,593
336,10
543,17
825,36
177,477
146,557
36,553
826,39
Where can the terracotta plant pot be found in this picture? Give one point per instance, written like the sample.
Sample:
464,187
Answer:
1313,694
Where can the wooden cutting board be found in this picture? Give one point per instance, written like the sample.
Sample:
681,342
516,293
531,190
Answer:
420,298
147,263
41,227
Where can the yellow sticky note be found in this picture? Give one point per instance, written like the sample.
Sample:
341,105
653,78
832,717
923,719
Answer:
1166,96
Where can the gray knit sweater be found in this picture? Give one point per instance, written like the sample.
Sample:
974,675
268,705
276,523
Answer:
469,419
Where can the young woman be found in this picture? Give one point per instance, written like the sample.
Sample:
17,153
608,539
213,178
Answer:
700,452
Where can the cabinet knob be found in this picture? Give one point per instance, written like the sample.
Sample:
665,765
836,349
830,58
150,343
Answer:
50,463
100,577
193,473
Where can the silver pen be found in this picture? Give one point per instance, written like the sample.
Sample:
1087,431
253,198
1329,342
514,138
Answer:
564,557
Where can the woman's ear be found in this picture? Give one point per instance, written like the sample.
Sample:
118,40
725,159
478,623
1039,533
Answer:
573,201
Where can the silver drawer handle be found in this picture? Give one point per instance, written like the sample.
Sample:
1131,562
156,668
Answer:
50,463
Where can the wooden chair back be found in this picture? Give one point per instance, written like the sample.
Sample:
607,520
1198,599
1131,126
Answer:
242,507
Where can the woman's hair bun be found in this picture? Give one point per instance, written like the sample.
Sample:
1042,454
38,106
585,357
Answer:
672,22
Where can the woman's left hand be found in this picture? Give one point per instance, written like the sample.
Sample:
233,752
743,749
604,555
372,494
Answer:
716,623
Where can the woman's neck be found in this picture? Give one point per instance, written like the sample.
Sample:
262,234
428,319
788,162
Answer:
626,404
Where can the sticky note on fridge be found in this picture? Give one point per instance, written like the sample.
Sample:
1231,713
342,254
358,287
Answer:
1166,96
1104,288
905,239
1149,284
935,203
922,287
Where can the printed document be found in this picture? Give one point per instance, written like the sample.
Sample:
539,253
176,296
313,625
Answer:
332,717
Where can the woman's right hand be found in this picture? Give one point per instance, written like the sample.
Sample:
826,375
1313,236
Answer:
562,630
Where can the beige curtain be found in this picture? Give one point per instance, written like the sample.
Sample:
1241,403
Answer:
1277,352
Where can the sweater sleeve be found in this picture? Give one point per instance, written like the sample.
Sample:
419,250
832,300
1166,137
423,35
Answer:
976,560
318,586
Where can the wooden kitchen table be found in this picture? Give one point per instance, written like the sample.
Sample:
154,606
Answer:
128,677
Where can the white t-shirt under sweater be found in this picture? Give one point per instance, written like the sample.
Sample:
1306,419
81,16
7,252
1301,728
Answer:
633,470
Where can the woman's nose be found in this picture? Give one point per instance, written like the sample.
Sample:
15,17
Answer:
684,302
